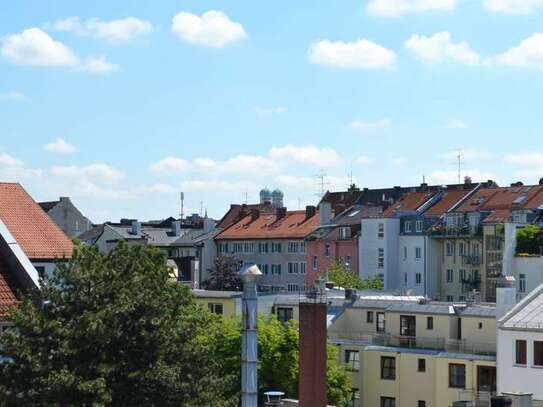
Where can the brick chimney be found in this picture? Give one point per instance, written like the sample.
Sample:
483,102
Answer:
310,211
255,214
280,213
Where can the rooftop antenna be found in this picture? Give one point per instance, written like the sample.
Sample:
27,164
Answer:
299,203
423,179
182,214
201,208
459,157
322,183
246,198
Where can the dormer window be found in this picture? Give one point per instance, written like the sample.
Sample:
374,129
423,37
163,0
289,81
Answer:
407,226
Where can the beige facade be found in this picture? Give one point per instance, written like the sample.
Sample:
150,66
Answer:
218,302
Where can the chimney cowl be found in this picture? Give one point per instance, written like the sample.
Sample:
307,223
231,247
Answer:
136,227
176,228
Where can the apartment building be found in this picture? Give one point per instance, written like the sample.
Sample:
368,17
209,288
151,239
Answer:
403,351
474,242
275,241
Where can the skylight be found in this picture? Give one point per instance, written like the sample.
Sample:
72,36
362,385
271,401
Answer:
354,213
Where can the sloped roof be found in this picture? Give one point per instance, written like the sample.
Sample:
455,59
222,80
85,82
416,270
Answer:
8,288
237,210
527,314
447,201
505,198
92,235
294,225
409,202
47,206
38,235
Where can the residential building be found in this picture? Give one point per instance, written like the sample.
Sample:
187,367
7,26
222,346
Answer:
275,241
66,215
225,303
39,237
520,347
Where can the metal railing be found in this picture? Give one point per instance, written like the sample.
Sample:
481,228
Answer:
415,342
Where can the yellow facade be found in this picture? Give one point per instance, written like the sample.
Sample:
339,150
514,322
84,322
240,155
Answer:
219,304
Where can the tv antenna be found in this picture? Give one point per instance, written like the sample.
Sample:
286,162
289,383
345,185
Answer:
182,196
459,163
322,183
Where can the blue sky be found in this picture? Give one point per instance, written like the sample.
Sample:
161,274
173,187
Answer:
122,105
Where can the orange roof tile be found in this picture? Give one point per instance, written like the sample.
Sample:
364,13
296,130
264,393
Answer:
36,233
447,201
8,289
294,225
410,201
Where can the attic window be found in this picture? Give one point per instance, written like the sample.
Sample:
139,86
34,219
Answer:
354,213
519,199
478,201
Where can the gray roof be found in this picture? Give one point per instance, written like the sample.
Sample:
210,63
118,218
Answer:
160,236
215,294
527,314
479,311
429,352
414,308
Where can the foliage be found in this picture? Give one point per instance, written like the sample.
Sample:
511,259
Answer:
278,360
224,274
343,277
530,240
111,330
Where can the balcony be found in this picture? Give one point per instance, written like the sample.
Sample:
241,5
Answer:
464,231
472,260
411,342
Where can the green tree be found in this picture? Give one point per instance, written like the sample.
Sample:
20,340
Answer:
340,275
111,330
530,239
278,357
224,275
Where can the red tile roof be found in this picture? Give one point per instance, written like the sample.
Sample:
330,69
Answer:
447,201
237,211
410,201
8,289
507,198
36,233
294,225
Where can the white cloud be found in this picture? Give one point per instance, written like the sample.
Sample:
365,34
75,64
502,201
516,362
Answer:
513,6
364,160
468,154
248,164
451,176
218,185
170,164
102,172
528,54
60,146
300,182
114,31
365,125
323,157
35,47
396,8
400,161
264,112
212,29
13,95
8,161
99,65
361,54
455,124
439,48
525,159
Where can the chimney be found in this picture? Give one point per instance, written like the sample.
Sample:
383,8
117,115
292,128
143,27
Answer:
255,213
136,227
506,295
176,228
312,345
541,181
64,199
424,186
325,213
310,211
281,213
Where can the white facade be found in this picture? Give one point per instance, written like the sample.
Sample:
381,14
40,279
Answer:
378,251
528,273
418,265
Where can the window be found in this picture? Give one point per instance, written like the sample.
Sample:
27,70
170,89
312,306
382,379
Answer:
480,325
418,226
355,395
380,258
405,252
388,368
284,314
238,248
292,268
522,283
462,274
422,365
263,268
408,325
369,317
461,248
41,271
276,247
352,359
388,402
349,263
327,250
263,247
418,278
215,308
407,226
345,232
381,231
302,267
457,376
293,247
450,298
293,288
450,273
461,298
421,403
405,278
538,353
429,323
380,322
223,248
315,263
276,269
302,247
418,253
449,249
520,352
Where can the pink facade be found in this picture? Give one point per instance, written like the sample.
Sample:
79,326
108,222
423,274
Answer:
321,253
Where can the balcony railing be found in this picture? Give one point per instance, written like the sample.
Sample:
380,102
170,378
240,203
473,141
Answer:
456,231
412,342
473,260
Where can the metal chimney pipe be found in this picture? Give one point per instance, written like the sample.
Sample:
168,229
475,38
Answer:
249,337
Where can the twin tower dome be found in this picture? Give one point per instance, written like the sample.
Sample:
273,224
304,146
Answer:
274,198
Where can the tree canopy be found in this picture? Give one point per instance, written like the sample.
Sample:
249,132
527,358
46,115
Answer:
224,274
341,276
530,240
112,330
